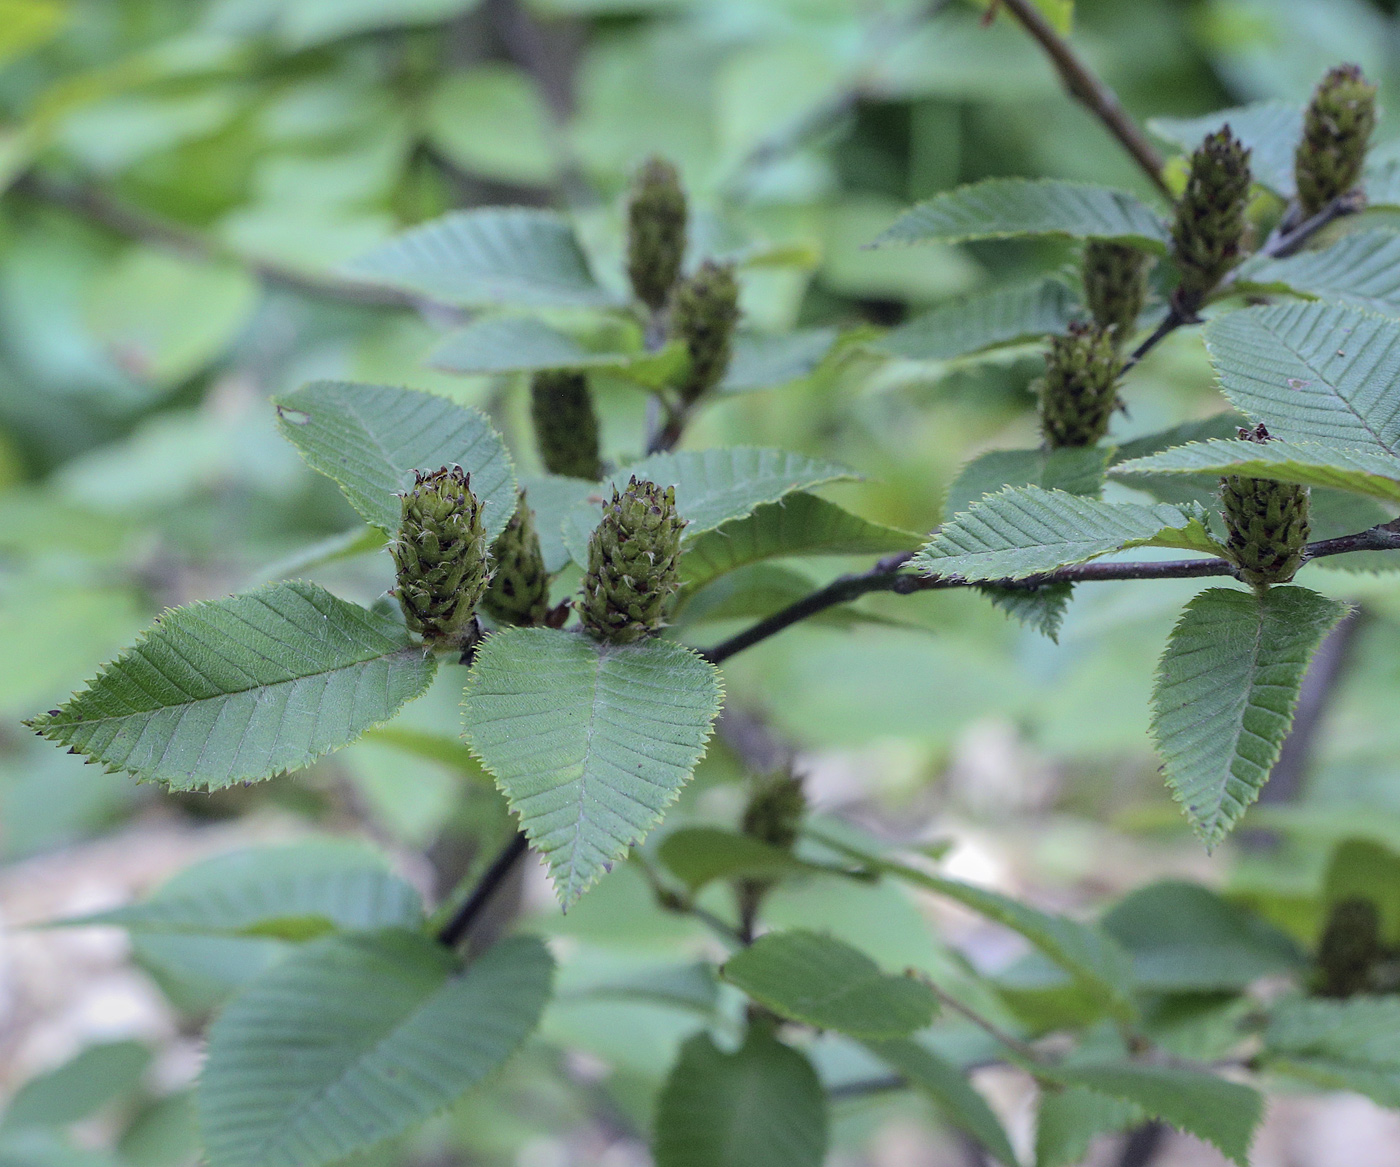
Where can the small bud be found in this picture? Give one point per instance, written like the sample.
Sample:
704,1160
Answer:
705,312
1267,523
519,589
566,429
1210,218
775,810
1079,391
1115,285
1349,949
632,564
656,218
440,556
1336,131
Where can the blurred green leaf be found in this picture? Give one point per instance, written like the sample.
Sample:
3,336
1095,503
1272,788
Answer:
975,323
491,120
99,1075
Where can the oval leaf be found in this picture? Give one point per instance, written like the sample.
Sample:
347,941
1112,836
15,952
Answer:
971,324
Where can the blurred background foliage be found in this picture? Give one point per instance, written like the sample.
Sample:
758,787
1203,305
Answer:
183,181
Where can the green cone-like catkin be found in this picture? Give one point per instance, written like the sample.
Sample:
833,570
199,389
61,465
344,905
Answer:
656,218
519,589
1336,131
440,555
1267,522
566,428
704,314
1210,218
1349,949
1115,285
775,810
632,564
1079,391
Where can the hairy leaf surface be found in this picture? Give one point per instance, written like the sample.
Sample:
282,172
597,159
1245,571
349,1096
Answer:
1226,689
589,742
999,208
240,689
821,981
354,1039
369,439
1359,269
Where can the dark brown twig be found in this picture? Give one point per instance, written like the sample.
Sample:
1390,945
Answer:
456,929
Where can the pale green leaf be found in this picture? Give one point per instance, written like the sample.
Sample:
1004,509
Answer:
1339,1045
700,855
95,1077
1369,472
948,1086
1185,938
523,344
370,438
354,1039
553,498
289,892
1312,372
240,689
1360,270
1000,208
765,362
1068,1120
357,541
1270,130
589,742
1077,470
824,982
800,524
970,324
1025,531
762,1104
304,23
488,256
26,24
1223,1113
491,119
1226,689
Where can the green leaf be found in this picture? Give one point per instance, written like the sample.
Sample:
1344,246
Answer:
370,438
1069,1120
238,690
760,589
1184,938
288,892
1176,489
1363,869
488,256
700,855
762,1104
712,486
765,362
1042,608
81,1086
1367,472
1270,129
1339,1045
1312,372
1000,208
801,524
1025,531
1226,689
1086,952
824,982
971,324
359,540
948,1086
1077,470
303,23
1223,1113
1359,270
352,1040
553,498
589,742
491,119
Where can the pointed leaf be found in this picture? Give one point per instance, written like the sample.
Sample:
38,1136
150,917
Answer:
1069,1120
762,1104
1270,130
1360,270
1312,372
700,855
1226,689
800,524
971,324
352,1040
1028,531
589,742
1223,1113
1042,608
1367,472
238,690
1339,1045
488,256
948,1086
821,981
289,892
370,438
999,208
